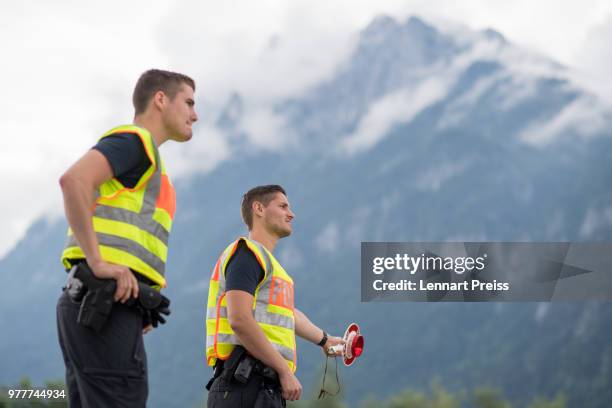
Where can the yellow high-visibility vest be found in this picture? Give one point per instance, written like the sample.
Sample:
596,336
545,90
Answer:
133,224
273,307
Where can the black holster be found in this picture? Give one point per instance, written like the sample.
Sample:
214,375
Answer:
97,297
226,369
96,306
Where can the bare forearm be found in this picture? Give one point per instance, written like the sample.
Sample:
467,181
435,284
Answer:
254,340
307,329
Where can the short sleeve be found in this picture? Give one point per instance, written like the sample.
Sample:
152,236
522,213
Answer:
126,155
243,272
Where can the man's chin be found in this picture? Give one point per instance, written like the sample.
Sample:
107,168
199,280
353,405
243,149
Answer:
184,137
284,233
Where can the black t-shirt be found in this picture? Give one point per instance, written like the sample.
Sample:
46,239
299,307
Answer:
126,155
243,271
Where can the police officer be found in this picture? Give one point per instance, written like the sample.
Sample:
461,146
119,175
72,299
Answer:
251,316
119,203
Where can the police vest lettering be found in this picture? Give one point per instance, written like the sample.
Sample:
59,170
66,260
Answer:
273,307
133,224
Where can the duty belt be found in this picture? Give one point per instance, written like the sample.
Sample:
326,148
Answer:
97,298
240,366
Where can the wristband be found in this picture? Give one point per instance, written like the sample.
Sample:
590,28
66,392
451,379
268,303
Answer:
323,340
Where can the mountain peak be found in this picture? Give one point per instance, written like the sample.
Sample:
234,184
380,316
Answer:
494,35
411,44
380,25
384,26
416,23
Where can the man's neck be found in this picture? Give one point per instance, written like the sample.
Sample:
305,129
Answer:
264,239
156,130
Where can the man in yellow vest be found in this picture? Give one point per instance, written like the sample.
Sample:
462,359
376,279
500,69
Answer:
251,319
119,203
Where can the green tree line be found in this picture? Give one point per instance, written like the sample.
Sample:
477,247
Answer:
437,397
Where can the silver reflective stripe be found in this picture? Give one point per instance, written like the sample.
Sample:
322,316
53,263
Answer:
264,290
286,352
153,186
147,224
262,316
211,312
222,269
223,338
266,259
128,246
210,341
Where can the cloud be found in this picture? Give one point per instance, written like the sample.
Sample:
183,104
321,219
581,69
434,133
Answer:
328,239
358,224
433,178
594,220
208,148
517,76
265,51
594,59
291,257
584,116
433,84
516,89
392,109
458,109
266,129
69,78
541,312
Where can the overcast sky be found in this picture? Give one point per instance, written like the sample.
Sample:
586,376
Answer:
68,68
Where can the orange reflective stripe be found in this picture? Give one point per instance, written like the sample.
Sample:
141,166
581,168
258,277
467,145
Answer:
216,270
167,197
232,252
118,192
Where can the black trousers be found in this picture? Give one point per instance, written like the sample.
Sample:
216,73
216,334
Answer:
256,393
106,369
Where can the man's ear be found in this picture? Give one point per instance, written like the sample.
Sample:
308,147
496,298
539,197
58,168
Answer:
159,99
258,208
